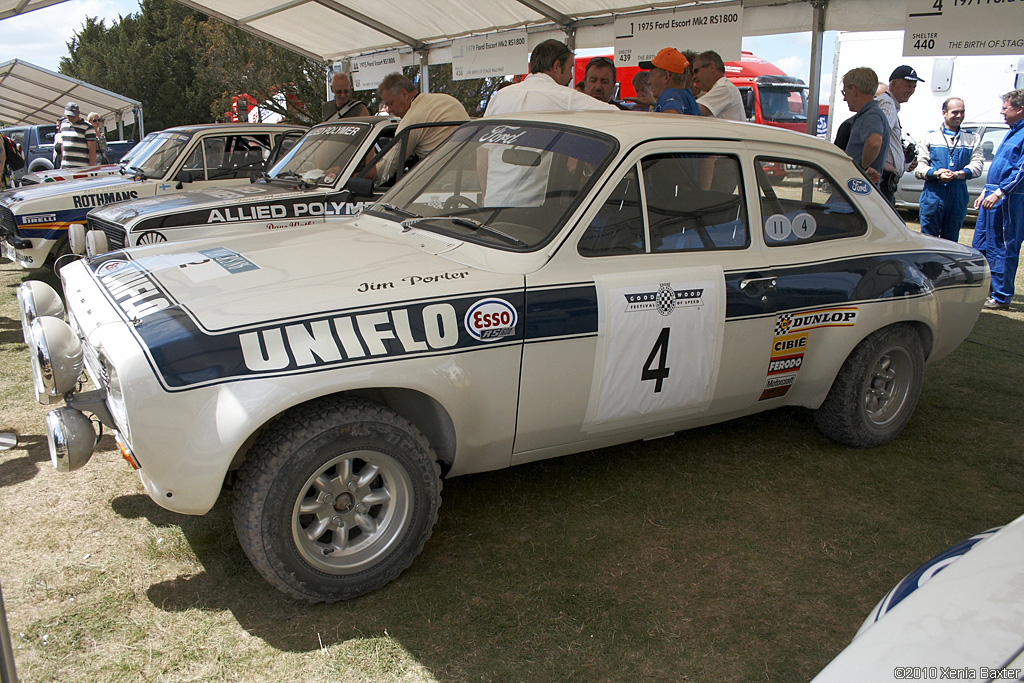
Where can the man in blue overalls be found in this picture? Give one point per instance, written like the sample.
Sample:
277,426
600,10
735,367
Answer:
1000,224
946,158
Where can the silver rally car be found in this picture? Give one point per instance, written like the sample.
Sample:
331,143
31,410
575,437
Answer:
539,285
34,220
307,186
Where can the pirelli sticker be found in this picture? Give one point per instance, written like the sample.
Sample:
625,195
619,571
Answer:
790,342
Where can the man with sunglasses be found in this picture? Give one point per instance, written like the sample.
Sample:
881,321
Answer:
599,81
342,106
668,81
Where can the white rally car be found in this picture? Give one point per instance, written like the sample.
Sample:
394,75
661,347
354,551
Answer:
540,285
34,220
307,186
959,616
59,175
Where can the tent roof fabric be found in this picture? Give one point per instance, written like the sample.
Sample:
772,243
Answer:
11,8
30,94
329,30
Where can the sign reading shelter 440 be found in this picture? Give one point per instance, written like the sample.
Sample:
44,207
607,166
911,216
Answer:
638,37
963,27
494,54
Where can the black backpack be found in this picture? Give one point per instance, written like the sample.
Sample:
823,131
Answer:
14,158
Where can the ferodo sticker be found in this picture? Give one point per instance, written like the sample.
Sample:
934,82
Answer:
491,319
790,342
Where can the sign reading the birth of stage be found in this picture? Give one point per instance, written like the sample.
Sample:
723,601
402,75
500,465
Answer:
947,28
638,37
490,55
369,70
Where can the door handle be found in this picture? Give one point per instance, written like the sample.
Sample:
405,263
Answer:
765,282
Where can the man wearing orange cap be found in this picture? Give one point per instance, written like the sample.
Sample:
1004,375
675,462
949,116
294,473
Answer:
669,83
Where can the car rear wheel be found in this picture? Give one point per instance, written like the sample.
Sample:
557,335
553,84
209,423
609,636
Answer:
876,390
336,499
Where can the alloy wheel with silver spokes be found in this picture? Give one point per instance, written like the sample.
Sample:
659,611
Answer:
351,511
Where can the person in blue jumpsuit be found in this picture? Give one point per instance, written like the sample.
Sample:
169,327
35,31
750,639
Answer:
1000,224
946,158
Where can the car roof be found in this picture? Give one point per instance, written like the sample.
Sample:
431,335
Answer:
240,127
361,119
632,128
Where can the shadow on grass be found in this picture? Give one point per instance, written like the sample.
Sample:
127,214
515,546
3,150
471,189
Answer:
17,469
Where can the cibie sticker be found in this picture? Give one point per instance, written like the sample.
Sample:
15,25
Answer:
491,319
859,186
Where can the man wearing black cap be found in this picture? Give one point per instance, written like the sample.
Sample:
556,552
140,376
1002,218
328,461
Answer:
902,84
78,139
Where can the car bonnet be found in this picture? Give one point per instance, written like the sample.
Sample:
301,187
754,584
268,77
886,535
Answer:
226,283
49,191
204,200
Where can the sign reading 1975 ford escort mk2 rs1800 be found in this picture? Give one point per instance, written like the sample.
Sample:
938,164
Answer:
539,285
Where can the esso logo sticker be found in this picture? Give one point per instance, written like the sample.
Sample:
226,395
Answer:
858,186
491,319
111,266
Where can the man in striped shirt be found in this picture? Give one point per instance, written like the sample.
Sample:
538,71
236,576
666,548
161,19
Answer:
78,139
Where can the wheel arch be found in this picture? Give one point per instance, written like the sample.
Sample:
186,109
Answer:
424,411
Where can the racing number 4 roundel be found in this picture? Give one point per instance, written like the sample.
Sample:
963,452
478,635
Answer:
659,345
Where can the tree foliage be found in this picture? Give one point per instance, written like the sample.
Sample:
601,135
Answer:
243,63
185,68
150,56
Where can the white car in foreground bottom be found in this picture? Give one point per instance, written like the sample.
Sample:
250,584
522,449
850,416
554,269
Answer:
959,616
539,285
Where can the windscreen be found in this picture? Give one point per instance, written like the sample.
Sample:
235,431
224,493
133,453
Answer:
156,158
783,104
321,154
510,186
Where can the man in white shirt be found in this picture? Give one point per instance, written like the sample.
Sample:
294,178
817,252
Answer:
721,99
545,89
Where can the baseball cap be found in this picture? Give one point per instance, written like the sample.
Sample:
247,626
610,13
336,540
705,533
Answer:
70,109
669,59
906,73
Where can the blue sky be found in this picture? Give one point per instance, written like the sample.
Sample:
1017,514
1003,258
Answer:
41,38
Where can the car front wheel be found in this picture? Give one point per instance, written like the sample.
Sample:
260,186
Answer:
876,390
336,499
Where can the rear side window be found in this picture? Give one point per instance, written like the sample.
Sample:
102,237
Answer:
803,206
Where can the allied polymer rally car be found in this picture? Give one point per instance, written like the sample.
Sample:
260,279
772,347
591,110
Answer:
306,186
34,220
540,285
959,616
58,175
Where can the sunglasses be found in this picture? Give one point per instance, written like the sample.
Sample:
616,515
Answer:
603,61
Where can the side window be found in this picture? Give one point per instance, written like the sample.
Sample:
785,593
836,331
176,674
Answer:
805,207
991,140
694,202
236,156
618,228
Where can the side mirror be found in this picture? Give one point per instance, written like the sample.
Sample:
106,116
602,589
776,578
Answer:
360,187
184,177
748,103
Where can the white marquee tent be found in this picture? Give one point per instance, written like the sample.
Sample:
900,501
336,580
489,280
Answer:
30,94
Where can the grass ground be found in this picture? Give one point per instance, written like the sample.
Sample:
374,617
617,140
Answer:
746,551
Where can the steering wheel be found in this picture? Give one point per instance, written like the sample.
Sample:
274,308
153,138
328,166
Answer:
457,200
